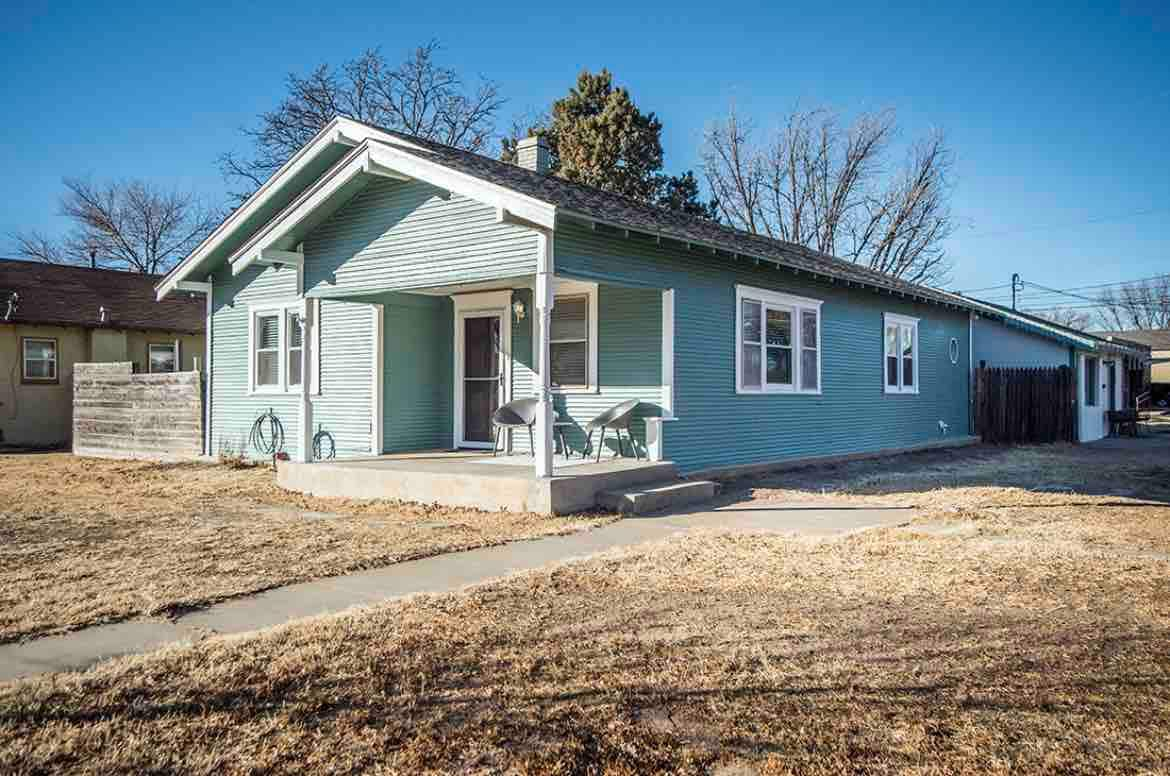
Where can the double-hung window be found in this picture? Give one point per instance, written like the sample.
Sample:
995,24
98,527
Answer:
277,340
900,337
572,341
778,342
39,360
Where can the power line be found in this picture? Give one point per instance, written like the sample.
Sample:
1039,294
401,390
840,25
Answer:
1045,294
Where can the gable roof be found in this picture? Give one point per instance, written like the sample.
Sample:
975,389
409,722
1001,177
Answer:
60,295
578,200
1155,339
285,196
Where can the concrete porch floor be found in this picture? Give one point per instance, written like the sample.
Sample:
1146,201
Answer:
473,479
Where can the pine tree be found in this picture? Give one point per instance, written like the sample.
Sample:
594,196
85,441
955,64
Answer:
598,136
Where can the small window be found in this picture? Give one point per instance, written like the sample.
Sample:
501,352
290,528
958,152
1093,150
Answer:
777,342
267,346
900,338
161,358
40,360
1091,379
569,342
296,339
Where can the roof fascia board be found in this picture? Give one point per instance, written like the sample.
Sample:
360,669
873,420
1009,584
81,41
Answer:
691,243
343,172
377,159
295,163
340,130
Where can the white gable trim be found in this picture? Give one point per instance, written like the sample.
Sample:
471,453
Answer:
382,154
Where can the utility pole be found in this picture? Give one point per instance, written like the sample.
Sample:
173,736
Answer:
1015,287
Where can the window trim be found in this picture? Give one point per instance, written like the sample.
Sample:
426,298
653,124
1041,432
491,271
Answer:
281,310
900,320
565,288
795,305
174,347
56,361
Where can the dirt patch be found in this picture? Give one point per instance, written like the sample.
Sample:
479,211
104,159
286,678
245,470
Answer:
84,541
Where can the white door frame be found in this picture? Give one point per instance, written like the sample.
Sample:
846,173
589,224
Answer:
481,305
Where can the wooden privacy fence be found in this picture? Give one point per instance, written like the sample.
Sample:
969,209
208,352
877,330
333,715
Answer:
1020,406
117,414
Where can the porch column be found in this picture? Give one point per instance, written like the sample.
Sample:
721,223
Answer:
308,323
544,305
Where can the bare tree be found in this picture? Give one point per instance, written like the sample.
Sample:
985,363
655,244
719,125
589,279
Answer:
1143,304
830,188
130,225
1070,317
418,97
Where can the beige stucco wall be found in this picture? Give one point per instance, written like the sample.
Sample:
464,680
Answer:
41,414
1160,370
190,349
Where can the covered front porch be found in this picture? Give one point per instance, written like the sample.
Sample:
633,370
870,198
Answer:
445,358
474,479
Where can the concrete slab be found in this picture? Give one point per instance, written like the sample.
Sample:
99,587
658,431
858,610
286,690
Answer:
478,480
438,574
83,648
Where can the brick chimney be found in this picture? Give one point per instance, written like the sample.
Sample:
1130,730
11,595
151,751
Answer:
532,154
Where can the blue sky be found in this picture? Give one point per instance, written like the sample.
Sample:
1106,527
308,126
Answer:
1059,114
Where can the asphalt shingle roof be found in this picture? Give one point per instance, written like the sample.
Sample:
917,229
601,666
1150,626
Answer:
624,212
57,295
1155,339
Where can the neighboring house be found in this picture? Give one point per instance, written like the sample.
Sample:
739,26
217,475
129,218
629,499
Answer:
54,316
1110,372
1158,341
392,292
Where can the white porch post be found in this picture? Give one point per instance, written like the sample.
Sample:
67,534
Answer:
544,305
308,324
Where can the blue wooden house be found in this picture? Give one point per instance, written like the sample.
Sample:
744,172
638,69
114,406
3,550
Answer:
388,293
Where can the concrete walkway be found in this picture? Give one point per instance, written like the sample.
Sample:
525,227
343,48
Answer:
438,574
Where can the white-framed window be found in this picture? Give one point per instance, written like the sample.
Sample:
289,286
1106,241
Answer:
572,338
294,326
777,342
162,357
900,346
275,342
39,360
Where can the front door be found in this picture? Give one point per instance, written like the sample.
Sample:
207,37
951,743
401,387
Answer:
482,377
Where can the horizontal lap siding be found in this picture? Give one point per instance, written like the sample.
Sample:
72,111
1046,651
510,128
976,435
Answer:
629,359
418,364
716,426
1003,346
398,235
233,409
344,408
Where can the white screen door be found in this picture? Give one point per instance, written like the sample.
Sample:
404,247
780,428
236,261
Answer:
482,376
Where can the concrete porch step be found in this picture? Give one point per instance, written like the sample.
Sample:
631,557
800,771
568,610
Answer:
658,496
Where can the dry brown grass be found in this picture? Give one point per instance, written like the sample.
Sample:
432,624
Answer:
978,639
84,541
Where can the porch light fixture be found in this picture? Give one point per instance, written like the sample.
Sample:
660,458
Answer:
519,310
